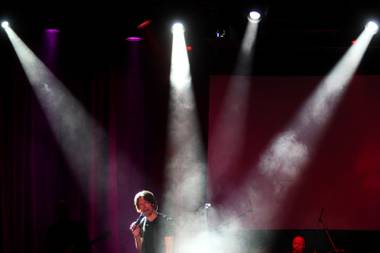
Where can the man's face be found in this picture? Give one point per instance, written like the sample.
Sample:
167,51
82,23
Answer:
298,244
145,207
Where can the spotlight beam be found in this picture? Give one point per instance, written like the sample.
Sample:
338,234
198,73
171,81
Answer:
185,190
81,139
186,165
290,151
233,114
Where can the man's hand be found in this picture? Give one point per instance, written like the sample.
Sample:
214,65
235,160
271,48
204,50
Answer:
136,232
135,229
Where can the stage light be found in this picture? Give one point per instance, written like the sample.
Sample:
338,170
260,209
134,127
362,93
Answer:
4,24
144,24
254,16
52,30
220,33
134,39
372,27
178,27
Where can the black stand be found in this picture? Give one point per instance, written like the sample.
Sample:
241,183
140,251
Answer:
333,246
206,209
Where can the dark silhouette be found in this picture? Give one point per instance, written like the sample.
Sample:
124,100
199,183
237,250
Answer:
67,235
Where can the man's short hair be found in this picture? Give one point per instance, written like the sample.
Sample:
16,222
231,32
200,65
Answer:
148,196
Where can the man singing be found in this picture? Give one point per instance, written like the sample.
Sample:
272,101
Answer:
152,231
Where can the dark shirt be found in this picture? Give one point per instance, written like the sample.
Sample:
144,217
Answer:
154,232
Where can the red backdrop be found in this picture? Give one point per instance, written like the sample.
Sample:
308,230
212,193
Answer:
343,175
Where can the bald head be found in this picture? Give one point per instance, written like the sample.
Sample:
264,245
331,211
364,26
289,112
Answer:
298,244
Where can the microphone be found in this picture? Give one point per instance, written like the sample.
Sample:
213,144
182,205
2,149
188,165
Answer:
139,219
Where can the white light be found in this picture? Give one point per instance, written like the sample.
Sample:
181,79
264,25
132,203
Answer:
254,16
178,27
372,27
4,24
180,70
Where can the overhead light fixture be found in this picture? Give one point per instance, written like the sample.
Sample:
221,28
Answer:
372,27
178,27
254,16
4,24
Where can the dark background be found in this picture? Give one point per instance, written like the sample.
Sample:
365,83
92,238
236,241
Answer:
295,39
313,34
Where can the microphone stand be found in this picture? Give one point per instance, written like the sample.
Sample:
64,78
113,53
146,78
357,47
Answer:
206,209
335,249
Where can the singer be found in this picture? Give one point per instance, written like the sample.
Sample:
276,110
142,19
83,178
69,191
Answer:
152,231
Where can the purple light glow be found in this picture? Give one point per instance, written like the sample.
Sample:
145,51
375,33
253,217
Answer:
134,38
51,38
52,30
